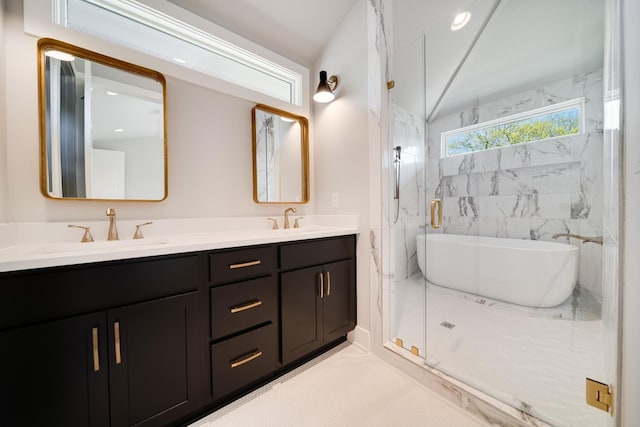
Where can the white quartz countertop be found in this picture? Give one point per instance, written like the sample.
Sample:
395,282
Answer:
31,255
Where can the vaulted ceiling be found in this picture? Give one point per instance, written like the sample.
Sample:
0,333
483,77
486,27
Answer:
296,29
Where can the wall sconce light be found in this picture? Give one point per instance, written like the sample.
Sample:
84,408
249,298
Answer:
324,93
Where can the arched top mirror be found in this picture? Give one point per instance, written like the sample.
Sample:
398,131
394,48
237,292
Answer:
280,156
102,126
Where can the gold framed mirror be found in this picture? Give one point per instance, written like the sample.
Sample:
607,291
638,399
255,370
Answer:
103,128
280,156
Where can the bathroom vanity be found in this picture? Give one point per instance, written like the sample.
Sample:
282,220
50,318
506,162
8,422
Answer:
159,340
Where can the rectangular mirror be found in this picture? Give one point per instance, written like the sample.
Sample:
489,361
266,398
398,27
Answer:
102,126
280,156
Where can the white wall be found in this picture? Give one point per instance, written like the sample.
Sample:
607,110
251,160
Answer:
3,134
209,147
340,144
143,164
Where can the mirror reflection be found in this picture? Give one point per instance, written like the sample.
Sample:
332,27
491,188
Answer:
280,156
103,128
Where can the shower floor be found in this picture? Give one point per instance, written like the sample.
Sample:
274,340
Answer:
533,359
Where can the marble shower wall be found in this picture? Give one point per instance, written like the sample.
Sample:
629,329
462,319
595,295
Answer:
527,191
409,209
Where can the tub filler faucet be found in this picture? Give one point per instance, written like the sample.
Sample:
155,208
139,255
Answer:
597,240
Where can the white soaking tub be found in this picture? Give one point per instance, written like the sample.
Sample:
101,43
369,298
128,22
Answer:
526,272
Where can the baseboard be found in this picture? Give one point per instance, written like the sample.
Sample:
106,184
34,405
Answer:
360,337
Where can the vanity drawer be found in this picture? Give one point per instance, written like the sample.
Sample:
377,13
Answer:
233,266
242,305
316,252
241,360
34,296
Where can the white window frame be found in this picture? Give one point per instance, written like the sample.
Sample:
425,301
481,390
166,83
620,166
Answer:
258,73
550,109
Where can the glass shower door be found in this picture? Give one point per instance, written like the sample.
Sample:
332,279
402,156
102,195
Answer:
484,297
521,293
404,210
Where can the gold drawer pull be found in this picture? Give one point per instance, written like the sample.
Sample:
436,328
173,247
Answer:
116,334
321,284
247,306
246,358
328,283
245,264
96,351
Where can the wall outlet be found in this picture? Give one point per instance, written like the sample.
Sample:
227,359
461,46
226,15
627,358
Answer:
335,200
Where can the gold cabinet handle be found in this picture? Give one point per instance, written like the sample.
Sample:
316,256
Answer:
328,283
321,284
245,264
436,203
247,306
116,334
96,351
245,358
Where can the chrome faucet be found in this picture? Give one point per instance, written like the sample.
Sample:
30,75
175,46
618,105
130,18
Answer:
597,240
113,230
286,216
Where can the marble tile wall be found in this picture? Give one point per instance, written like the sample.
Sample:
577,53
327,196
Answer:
527,191
407,213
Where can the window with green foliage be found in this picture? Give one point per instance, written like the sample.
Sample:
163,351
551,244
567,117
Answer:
557,120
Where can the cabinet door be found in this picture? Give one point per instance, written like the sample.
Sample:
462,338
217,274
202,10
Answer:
50,374
339,300
154,361
301,312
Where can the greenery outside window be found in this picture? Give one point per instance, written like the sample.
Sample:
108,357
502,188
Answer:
561,119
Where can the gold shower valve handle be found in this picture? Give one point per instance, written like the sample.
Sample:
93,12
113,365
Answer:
436,204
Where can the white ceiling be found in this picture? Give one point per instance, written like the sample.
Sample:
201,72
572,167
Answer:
525,43
295,29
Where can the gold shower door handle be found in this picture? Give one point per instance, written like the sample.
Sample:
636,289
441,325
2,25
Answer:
436,203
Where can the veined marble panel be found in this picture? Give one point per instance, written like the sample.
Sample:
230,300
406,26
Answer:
532,190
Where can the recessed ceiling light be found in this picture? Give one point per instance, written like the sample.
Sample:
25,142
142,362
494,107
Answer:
62,56
111,93
460,20
180,60
118,130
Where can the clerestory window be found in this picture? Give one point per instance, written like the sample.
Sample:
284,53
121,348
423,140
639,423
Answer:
561,119
138,26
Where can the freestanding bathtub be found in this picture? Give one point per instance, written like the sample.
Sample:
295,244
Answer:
526,272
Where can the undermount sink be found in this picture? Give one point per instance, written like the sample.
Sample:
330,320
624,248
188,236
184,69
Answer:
301,230
86,247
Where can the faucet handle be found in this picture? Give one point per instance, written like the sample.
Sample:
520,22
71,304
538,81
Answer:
275,223
86,237
110,212
138,233
295,223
